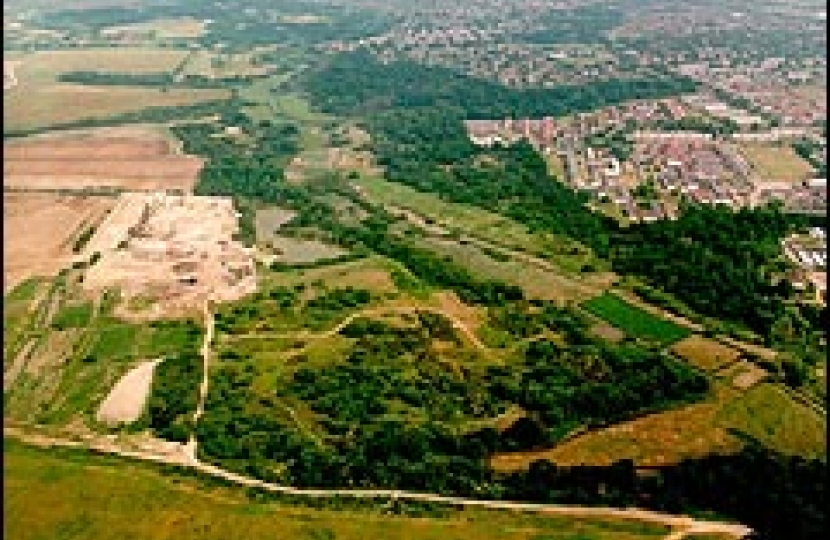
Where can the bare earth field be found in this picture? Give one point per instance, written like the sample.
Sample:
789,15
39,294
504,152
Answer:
185,28
38,232
102,158
126,400
38,100
176,250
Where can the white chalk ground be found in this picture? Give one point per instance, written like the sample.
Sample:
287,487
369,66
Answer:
126,400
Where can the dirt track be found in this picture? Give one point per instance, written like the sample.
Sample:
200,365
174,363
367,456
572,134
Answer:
457,323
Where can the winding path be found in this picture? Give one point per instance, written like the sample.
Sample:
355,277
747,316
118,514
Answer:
210,324
457,323
681,525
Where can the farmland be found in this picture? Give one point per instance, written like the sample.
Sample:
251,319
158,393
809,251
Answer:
45,488
159,29
134,159
39,100
632,320
39,230
705,353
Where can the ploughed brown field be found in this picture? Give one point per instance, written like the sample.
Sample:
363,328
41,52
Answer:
39,230
87,161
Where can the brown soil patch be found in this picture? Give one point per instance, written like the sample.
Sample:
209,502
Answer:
705,353
99,160
449,302
37,232
608,332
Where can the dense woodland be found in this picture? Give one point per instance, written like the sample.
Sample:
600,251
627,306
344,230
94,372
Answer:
358,83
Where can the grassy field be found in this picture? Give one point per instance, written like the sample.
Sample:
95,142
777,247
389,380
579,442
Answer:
656,439
767,414
764,412
39,100
536,282
632,320
486,225
73,494
707,354
214,65
777,162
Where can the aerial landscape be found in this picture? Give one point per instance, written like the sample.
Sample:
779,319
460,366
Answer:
415,269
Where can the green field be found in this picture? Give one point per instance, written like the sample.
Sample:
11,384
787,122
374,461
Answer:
62,494
567,254
634,321
766,413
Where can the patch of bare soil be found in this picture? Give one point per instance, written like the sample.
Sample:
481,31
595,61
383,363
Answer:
37,232
126,400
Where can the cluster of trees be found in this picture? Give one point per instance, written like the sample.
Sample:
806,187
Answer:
174,396
164,79
814,153
720,262
357,82
778,496
148,115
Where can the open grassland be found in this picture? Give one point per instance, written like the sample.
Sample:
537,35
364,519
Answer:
652,440
220,65
536,282
285,249
69,493
372,273
776,162
40,101
718,425
767,414
568,255
40,230
705,353
632,320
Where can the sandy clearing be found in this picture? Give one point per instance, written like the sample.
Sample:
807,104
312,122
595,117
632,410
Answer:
126,400
9,77
10,376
